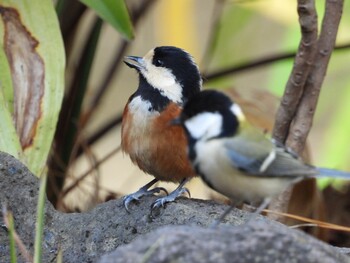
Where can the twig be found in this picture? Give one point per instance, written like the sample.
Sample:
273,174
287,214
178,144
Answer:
303,120
25,253
302,64
100,133
257,63
83,176
303,225
319,223
248,65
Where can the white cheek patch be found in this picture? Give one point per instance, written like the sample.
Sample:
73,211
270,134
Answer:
205,125
162,79
237,111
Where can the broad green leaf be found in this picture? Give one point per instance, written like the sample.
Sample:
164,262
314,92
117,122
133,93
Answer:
9,141
32,53
114,12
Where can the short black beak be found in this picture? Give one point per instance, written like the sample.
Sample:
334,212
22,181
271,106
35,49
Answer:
175,122
138,62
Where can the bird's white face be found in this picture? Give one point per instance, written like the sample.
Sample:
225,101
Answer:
161,78
205,125
167,74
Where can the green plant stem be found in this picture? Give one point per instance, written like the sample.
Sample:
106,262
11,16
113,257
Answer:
12,238
39,231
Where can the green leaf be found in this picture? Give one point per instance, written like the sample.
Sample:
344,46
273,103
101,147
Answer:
9,141
8,137
114,12
32,82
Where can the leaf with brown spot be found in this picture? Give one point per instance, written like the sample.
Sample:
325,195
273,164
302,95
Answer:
32,86
28,73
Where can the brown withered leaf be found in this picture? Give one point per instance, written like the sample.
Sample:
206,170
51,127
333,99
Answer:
28,73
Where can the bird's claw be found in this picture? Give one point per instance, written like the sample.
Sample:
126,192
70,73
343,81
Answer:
160,202
140,193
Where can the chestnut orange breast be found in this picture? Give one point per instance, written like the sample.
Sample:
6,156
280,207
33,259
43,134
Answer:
157,147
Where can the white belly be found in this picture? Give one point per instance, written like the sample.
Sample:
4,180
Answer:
139,130
218,171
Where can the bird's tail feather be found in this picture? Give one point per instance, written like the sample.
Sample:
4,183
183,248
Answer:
326,172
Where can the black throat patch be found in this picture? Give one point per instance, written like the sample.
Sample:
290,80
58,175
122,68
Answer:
149,93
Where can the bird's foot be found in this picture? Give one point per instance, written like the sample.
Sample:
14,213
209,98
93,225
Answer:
160,202
143,191
264,204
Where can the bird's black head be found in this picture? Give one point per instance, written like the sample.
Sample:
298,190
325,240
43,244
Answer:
170,71
210,114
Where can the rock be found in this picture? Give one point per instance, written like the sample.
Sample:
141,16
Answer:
85,237
256,241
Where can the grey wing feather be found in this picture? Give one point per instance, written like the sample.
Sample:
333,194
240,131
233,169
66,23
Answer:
286,164
252,156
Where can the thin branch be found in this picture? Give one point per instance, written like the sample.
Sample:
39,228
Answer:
257,63
100,133
303,120
248,65
83,176
302,64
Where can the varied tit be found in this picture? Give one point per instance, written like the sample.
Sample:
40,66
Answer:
236,159
168,77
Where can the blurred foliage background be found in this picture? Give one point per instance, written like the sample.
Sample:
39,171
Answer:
221,35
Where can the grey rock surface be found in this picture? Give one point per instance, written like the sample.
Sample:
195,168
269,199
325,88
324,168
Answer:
253,242
86,237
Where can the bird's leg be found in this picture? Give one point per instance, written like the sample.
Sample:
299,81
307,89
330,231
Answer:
259,209
142,192
224,214
252,217
160,202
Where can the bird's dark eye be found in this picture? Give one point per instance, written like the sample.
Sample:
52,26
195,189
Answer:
158,63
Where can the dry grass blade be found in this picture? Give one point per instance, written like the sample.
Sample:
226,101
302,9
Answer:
83,176
315,222
7,218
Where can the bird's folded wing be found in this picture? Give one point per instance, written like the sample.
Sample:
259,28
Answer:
263,158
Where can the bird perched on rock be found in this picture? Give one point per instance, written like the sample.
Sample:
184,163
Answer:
235,158
168,78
